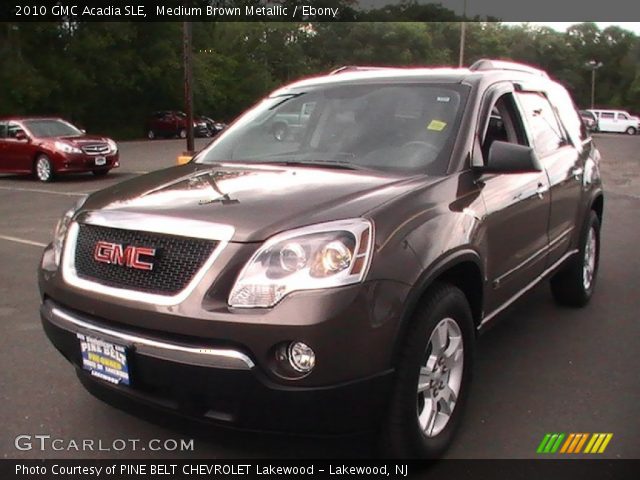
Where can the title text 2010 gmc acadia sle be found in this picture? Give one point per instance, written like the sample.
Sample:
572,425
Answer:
332,278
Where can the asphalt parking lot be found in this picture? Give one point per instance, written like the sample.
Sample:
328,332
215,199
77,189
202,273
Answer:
541,369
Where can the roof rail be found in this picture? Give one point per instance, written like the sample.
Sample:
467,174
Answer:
356,68
488,64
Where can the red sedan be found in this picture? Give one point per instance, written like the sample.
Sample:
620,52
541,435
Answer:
46,147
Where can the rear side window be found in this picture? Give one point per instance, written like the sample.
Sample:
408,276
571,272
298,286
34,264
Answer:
12,130
607,116
568,113
3,130
547,134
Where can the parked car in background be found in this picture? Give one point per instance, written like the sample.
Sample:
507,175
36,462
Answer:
290,121
170,123
617,121
590,120
46,147
214,126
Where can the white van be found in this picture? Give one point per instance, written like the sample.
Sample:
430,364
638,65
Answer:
616,121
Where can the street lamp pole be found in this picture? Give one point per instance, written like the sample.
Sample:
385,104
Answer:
593,65
463,28
188,80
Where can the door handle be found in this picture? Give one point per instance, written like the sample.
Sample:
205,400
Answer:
577,172
541,190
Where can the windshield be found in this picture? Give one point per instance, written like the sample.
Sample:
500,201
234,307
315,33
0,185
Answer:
403,128
51,128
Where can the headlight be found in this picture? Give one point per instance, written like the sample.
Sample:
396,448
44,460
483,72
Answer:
62,226
318,256
66,148
113,146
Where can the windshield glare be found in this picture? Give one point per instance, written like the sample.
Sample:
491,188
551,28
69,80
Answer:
405,128
51,128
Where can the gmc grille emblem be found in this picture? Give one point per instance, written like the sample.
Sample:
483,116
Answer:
129,256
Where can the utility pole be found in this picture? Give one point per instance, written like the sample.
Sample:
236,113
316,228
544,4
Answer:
187,56
593,65
463,28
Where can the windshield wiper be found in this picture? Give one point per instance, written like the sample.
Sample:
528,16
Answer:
318,163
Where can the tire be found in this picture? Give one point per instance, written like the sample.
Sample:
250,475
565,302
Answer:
631,131
151,135
573,286
408,431
100,173
182,133
279,131
43,168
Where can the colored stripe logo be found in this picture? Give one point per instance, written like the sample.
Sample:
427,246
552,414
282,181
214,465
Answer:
574,443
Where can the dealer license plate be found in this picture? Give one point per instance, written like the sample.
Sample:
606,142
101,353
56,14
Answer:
104,360
101,161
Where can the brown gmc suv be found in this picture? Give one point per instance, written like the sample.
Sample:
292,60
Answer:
335,280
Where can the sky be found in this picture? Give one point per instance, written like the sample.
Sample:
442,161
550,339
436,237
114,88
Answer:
611,12
562,26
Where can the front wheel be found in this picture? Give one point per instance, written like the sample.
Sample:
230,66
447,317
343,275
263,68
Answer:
631,131
573,286
44,168
433,377
182,133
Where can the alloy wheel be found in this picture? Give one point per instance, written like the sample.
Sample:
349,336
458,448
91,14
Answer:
589,263
43,169
440,377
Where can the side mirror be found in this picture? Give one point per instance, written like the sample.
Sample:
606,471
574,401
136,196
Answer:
20,135
505,157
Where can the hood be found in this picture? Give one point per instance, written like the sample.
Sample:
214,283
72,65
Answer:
257,201
83,140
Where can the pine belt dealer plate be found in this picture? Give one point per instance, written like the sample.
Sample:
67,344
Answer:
104,360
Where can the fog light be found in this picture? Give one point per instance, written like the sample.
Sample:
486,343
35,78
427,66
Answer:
301,357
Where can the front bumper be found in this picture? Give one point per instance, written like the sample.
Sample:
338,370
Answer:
219,385
82,162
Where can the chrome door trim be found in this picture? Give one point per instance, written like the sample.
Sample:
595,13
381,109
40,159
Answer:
519,294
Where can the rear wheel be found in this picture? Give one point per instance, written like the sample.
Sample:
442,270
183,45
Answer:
43,168
433,377
631,131
573,286
151,135
182,133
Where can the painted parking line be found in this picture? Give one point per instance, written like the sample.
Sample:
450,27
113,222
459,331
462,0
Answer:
42,190
22,240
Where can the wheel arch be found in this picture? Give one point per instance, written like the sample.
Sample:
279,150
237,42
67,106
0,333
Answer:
34,159
597,205
462,269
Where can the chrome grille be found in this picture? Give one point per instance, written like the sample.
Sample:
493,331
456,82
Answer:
96,149
176,261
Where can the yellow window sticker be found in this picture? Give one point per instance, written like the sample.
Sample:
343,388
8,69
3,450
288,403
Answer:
436,125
